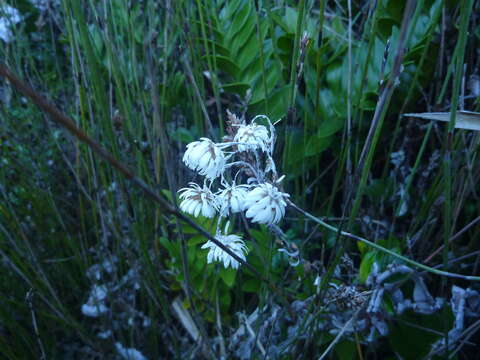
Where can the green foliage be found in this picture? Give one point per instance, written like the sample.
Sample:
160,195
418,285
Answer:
243,51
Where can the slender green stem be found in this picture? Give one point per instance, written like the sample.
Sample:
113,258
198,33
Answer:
366,156
296,54
382,249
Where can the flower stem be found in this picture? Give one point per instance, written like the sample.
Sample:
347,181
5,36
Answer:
381,248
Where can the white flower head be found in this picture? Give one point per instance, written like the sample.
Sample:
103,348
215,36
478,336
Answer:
265,204
232,198
216,253
252,136
197,200
206,157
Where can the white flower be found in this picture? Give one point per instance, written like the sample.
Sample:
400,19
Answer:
232,198
197,200
206,157
252,136
216,253
265,204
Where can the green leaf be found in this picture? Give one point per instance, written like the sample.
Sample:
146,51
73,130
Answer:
263,237
279,21
272,78
228,276
196,239
219,48
251,285
226,64
242,37
255,69
182,135
239,20
236,88
285,43
467,120
330,126
225,300
317,144
231,9
345,350
167,194
385,26
412,342
249,52
366,265
198,267
172,247
291,17
277,104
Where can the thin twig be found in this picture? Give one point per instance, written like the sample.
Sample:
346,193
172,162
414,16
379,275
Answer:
339,335
28,299
457,235
191,78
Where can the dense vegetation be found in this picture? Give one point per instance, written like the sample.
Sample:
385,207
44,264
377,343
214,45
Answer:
92,267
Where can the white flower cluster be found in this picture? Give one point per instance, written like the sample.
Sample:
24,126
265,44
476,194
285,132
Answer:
248,154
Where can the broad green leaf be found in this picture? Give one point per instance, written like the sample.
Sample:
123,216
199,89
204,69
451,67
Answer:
237,88
277,104
242,36
285,43
261,236
251,285
254,70
225,300
228,276
248,53
291,16
345,350
219,48
227,64
250,49
330,126
198,266
239,20
196,239
183,135
167,194
366,265
272,78
317,144
231,9
280,21
192,254
413,337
